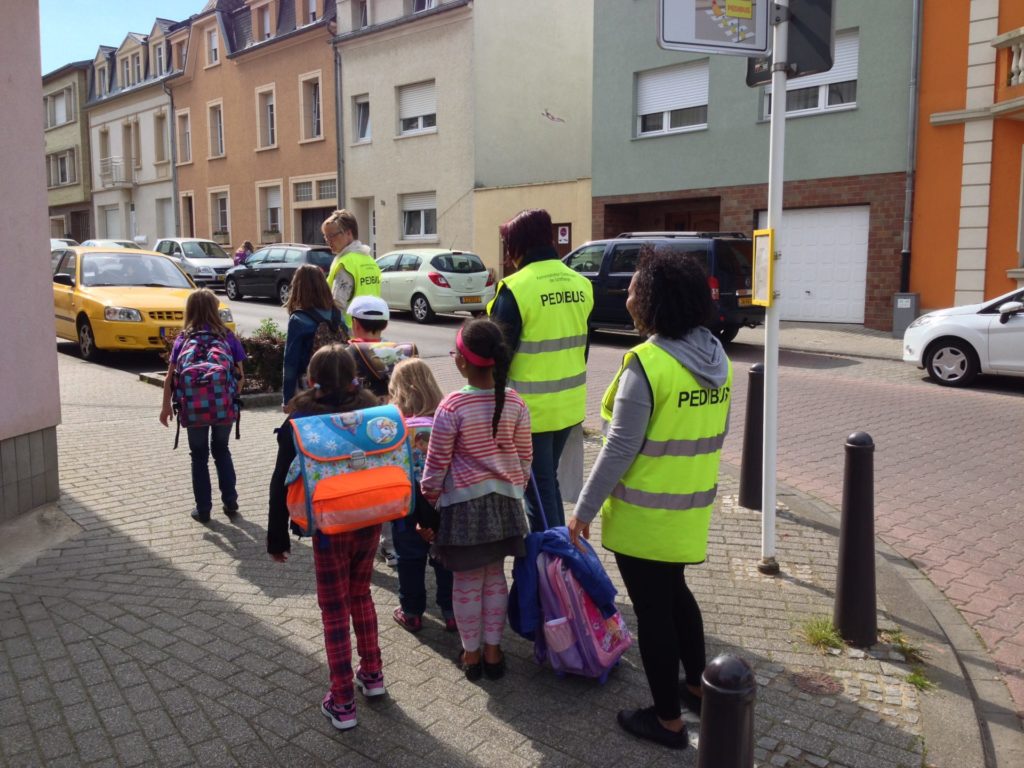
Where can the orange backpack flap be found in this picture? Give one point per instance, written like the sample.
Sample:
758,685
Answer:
348,502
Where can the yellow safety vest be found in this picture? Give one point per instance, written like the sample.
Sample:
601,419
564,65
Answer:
661,509
365,275
549,369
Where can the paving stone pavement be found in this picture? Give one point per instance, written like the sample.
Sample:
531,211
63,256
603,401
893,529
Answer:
148,639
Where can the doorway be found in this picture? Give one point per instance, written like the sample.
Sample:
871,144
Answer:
309,226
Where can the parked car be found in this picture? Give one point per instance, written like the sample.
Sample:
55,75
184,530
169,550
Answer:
61,242
431,280
610,264
268,271
204,260
955,345
107,298
104,243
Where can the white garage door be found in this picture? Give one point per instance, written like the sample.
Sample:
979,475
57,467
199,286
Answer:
824,263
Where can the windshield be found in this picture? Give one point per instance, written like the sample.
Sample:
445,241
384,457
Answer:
321,258
459,263
204,249
99,269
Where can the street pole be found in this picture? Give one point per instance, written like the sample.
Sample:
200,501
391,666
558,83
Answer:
777,144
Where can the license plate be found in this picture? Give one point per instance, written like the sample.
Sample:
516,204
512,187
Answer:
470,299
744,302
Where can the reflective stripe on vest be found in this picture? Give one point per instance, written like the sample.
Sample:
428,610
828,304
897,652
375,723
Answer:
549,368
365,276
661,509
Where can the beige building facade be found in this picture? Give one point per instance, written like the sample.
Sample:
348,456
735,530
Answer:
66,135
254,131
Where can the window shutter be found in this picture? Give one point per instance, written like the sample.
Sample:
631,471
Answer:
419,201
844,66
273,197
417,99
662,90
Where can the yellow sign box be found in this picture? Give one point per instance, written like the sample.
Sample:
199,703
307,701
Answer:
739,9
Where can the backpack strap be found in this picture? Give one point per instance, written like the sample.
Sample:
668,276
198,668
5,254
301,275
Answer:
364,350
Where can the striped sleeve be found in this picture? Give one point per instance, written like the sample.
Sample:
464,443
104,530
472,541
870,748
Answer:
439,452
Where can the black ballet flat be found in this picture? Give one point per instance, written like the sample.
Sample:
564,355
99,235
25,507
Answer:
473,672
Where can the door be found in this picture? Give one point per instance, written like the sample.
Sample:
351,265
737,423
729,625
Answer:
823,275
267,272
406,281
164,218
112,222
310,221
388,265
1006,342
64,297
587,262
248,276
613,286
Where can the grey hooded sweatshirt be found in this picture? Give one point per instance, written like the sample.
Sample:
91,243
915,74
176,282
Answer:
700,352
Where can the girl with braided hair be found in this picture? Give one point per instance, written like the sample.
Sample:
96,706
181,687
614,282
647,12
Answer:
477,467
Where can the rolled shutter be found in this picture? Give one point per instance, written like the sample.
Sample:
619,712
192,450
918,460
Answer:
844,67
416,100
273,197
419,201
679,87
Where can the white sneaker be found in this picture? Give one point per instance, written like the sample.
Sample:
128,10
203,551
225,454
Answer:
389,556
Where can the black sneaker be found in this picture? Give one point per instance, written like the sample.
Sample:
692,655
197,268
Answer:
231,509
200,517
689,699
643,723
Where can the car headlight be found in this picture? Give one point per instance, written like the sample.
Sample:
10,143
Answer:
225,315
206,271
122,314
922,321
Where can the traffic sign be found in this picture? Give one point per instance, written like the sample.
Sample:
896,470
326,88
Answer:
737,27
811,43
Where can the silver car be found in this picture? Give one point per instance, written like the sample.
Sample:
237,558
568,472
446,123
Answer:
204,260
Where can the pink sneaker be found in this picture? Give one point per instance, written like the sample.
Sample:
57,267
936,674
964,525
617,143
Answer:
342,716
370,685
450,625
411,623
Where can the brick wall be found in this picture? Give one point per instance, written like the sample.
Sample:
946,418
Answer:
738,212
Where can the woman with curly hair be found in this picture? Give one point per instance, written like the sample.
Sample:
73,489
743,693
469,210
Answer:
666,415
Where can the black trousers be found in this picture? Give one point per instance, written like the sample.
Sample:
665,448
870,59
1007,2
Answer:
670,628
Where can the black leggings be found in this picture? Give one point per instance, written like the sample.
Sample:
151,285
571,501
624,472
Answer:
669,626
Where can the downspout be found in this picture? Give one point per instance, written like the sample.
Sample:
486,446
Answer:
172,126
908,202
338,127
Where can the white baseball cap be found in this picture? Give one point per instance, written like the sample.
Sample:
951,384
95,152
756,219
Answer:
369,308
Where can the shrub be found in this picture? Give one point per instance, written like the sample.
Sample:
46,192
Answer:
265,357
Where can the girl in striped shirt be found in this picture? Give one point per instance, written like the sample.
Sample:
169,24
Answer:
478,463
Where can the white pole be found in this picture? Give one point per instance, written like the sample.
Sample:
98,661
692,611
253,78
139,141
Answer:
777,144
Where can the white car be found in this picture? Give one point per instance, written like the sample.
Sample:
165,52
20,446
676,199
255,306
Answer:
955,345
431,280
94,243
203,260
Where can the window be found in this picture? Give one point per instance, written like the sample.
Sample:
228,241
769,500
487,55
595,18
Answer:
624,258
219,211
212,50
136,68
216,123
160,137
60,107
303,191
104,144
136,144
587,259
417,107
361,116
184,137
61,169
422,5
828,91
179,54
125,72
389,263
672,99
311,122
265,118
311,14
101,81
270,208
263,23
326,189
158,57
419,216
360,14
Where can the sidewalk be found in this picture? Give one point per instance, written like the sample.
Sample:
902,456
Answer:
144,638
830,338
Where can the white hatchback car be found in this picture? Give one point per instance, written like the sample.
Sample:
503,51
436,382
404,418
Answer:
432,280
955,345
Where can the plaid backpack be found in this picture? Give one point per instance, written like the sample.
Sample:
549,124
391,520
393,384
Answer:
205,388
351,470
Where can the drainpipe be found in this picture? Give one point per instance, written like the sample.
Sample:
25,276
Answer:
908,203
339,133
172,127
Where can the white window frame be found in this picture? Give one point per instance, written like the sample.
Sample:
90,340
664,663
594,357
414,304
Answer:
212,47
266,124
311,124
417,105
102,84
159,57
668,91
418,6
313,201
54,162
361,106
216,143
126,71
214,196
67,94
846,69
136,59
184,137
266,216
420,203
263,27
161,136
312,12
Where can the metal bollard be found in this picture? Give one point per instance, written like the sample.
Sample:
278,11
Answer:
855,614
727,714
753,440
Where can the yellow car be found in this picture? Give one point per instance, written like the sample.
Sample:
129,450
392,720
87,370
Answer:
120,299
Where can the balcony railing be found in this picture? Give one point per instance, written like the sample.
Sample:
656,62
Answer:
117,171
1013,44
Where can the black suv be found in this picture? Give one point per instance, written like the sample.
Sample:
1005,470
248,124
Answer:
268,271
609,265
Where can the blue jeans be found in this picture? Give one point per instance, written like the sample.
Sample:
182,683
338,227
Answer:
412,569
547,450
202,441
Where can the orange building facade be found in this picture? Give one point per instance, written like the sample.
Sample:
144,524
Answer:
968,221
254,127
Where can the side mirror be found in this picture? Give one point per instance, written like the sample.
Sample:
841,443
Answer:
1007,310
63,279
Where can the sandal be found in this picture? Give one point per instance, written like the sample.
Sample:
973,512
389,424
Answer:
473,672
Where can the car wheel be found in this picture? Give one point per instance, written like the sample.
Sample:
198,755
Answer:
951,363
727,333
283,290
421,309
231,289
87,341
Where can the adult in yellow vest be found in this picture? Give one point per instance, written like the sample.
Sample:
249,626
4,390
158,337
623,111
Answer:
544,310
353,271
656,478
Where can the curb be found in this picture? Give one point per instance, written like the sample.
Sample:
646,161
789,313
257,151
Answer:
252,400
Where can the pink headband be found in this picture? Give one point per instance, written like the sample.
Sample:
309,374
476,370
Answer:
471,357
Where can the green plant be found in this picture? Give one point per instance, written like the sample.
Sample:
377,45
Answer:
912,652
917,678
820,632
265,357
